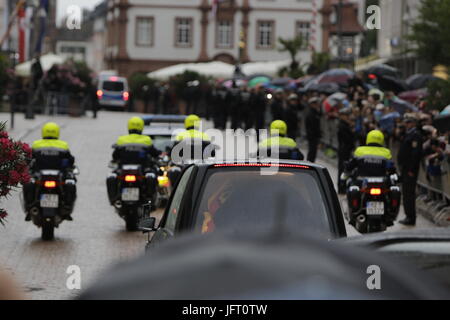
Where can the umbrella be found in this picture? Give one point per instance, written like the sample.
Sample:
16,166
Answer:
47,61
304,80
258,81
414,95
328,88
419,81
281,82
446,110
260,267
216,69
402,106
389,83
383,70
335,76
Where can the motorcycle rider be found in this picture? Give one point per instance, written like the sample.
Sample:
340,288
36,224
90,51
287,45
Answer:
137,149
191,139
375,149
285,147
51,153
372,160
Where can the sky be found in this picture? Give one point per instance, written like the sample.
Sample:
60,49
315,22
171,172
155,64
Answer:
62,6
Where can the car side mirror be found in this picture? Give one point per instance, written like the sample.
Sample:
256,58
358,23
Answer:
148,224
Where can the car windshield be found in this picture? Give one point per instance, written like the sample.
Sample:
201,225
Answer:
113,86
162,143
237,198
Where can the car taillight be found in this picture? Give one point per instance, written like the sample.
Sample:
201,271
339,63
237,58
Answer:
130,178
375,191
50,184
99,94
126,96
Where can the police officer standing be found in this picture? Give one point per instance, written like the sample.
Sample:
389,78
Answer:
312,125
346,141
409,157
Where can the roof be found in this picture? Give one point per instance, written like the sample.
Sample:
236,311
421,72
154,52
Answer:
157,118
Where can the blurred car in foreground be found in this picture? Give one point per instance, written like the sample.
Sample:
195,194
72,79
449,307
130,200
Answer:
260,267
290,196
427,249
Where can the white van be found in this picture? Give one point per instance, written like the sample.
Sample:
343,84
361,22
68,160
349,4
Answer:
113,92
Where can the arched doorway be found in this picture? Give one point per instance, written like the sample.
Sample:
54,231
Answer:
225,57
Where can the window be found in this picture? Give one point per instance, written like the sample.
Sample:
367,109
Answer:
224,34
144,31
304,30
175,205
347,46
183,30
243,200
265,36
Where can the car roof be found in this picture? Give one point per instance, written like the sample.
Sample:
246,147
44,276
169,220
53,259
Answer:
159,131
233,163
166,118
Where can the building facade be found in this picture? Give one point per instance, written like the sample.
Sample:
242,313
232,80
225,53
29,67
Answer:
147,35
393,46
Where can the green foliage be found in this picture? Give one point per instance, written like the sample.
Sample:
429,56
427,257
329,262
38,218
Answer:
83,72
137,82
293,47
431,32
179,81
439,95
320,63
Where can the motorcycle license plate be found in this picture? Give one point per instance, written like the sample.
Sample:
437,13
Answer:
49,201
375,208
130,194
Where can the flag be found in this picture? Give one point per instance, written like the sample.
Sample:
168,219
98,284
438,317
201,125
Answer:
215,7
42,13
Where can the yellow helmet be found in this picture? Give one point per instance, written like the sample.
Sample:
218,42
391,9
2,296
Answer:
135,124
278,127
192,121
375,137
50,130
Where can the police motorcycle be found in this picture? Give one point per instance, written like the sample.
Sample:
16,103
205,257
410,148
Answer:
373,195
51,198
132,184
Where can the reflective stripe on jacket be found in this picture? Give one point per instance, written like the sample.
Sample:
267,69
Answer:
134,138
50,143
278,141
192,134
373,151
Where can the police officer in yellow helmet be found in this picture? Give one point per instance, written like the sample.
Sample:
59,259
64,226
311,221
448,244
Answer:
51,153
192,126
279,145
134,149
365,158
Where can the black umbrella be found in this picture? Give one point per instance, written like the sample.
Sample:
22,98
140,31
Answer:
442,123
388,83
383,70
328,88
402,106
420,81
238,267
